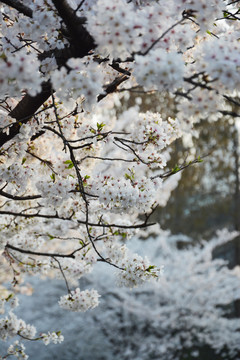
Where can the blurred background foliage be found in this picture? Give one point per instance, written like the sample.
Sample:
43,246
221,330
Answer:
207,197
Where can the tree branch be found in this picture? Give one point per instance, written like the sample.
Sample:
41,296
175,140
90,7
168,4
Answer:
80,45
37,253
20,198
17,5
80,38
113,86
25,110
82,222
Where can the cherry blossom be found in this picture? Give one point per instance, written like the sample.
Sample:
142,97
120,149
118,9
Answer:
80,173
80,300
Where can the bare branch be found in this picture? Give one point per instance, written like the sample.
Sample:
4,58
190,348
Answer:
83,222
37,253
19,198
17,5
62,272
180,168
113,86
25,110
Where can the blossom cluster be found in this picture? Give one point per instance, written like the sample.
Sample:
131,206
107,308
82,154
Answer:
17,172
159,70
79,300
53,337
78,267
11,326
124,195
55,192
82,83
137,270
134,269
115,28
17,349
221,62
205,12
153,130
203,105
43,28
16,73
172,309
76,176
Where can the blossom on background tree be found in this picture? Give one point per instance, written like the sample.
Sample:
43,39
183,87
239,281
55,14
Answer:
75,173
176,318
188,314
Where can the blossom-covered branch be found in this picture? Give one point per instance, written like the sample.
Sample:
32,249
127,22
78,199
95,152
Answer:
75,163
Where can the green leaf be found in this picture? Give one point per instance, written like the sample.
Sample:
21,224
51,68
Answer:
3,56
151,267
23,160
9,297
69,163
100,126
131,175
175,169
53,177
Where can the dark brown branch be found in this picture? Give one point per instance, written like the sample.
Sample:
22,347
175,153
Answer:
82,222
25,110
79,6
230,16
104,135
230,113
27,107
180,168
62,272
37,253
79,47
113,86
197,84
122,141
34,197
69,17
20,198
55,256
80,38
17,5
105,159
130,141
231,100
115,66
